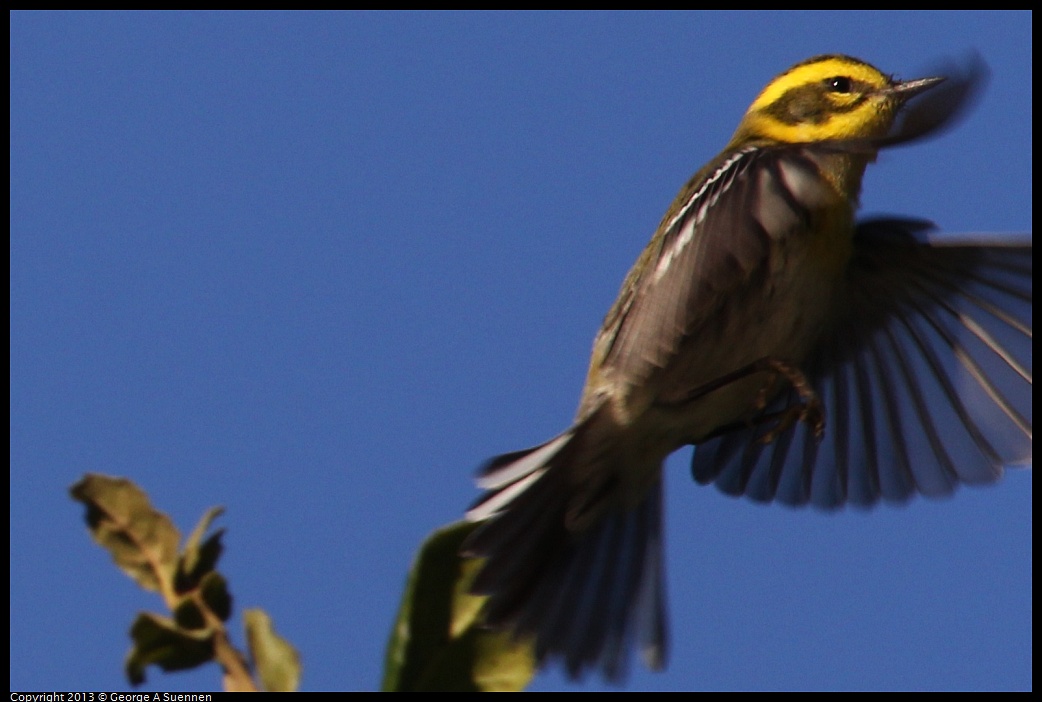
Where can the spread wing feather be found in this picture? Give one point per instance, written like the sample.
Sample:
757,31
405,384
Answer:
925,374
715,252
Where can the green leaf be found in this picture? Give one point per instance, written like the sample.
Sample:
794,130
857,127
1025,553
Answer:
216,596
142,540
159,641
199,557
275,660
437,642
187,615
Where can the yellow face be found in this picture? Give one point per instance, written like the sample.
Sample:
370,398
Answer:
826,97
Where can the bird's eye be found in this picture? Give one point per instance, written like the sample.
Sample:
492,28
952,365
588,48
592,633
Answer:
839,84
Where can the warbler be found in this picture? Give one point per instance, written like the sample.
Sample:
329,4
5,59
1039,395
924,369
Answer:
810,358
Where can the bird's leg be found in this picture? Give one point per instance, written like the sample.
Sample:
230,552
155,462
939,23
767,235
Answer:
808,409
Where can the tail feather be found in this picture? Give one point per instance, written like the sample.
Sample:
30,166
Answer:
510,467
583,590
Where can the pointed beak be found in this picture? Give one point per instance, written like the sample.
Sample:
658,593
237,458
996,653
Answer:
910,88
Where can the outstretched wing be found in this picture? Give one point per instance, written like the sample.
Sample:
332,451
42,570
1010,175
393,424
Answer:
714,249
925,376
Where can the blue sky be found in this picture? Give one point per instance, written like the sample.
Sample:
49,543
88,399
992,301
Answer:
317,267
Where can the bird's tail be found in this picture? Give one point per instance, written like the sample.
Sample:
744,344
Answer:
567,564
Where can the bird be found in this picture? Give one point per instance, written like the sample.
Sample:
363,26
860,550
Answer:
811,358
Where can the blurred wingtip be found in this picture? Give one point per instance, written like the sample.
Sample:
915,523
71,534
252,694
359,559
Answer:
943,107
